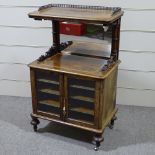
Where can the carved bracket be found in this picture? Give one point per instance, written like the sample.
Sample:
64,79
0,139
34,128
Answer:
53,50
110,62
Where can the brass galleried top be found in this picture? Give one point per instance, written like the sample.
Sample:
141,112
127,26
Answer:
97,14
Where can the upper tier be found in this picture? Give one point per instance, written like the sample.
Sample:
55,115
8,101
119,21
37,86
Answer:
88,14
80,58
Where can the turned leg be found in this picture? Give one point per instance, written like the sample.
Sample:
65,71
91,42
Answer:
34,122
111,125
98,139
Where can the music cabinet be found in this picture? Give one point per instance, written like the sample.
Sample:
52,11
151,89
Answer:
75,82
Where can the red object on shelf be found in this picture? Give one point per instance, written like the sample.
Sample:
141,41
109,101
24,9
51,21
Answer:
76,29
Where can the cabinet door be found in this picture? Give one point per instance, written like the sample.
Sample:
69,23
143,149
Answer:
48,92
81,102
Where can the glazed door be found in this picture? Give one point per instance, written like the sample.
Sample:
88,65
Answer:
48,93
80,100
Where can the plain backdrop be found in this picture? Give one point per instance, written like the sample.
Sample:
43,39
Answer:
22,40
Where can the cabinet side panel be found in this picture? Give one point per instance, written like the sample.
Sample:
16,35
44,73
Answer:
101,104
109,96
97,104
33,90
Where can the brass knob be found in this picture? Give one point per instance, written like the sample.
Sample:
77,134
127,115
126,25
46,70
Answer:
64,108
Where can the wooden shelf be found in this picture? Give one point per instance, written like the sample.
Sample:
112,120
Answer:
50,103
50,91
75,65
82,87
48,81
83,98
83,110
77,13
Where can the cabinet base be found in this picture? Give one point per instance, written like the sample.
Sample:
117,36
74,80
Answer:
98,138
109,120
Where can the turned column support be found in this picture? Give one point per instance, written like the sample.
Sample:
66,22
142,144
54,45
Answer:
56,34
115,39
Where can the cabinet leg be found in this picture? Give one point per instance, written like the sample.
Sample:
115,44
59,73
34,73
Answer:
34,122
111,125
98,139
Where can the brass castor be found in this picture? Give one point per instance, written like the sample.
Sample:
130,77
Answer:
35,123
98,139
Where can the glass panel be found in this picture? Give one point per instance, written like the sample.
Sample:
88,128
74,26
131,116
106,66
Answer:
48,92
81,99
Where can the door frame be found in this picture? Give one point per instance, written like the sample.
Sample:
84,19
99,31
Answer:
96,107
34,89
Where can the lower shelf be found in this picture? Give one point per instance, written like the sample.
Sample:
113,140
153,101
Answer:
50,103
83,110
82,117
82,87
83,98
49,91
48,81
48,108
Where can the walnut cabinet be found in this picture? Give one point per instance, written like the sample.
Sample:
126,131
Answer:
83,98
75,82
75,100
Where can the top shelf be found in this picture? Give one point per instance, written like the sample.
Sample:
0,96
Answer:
88,14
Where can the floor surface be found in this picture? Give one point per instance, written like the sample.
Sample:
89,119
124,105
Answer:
134,132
